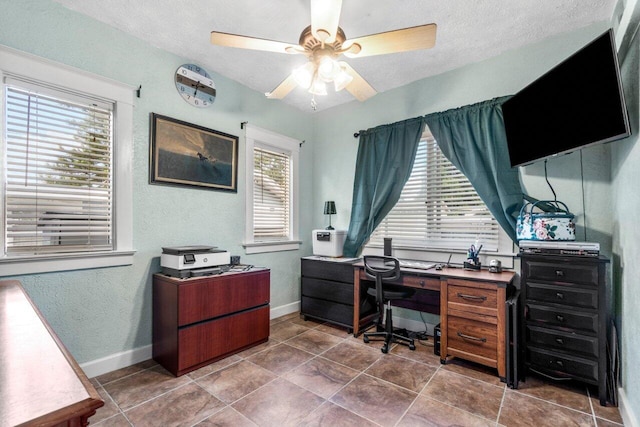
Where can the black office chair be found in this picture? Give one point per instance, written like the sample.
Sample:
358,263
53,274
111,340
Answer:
386,269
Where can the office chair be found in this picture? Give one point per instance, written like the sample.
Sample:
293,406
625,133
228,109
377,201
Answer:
386,269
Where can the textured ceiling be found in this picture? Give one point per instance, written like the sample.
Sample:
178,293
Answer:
468,31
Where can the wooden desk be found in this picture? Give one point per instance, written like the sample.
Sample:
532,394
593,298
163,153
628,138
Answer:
40,382
472,310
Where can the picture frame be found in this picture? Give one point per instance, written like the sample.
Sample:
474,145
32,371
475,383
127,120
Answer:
186,154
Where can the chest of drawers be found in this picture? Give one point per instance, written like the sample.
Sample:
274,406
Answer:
565,318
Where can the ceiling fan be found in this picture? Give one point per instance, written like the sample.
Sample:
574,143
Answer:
323,42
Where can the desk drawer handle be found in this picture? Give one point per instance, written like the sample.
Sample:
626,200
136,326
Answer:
472,297
469,337
560,341
559,273
560,318
559,295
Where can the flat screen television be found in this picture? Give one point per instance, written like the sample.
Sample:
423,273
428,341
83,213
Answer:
578,103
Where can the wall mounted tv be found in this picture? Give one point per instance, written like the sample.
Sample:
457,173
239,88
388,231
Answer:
576,104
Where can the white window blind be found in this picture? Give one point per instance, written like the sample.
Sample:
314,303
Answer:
58,151
438,208
271,195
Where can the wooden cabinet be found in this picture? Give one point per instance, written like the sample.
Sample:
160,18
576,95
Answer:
40,382
327,291
473,319
565,318
197,321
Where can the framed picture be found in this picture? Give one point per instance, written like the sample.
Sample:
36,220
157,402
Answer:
182,153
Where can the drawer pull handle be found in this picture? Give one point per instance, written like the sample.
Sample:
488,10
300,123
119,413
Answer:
421,283
560,318
559,363
560,295
469,337
559,273
560,341
472,297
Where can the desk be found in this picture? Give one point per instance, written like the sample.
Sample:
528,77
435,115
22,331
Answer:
472,310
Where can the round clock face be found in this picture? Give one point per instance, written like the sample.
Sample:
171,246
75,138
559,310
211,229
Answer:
195,85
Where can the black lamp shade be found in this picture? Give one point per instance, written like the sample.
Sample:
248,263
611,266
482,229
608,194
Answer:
330,208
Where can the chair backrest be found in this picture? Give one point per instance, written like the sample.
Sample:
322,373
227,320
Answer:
382,269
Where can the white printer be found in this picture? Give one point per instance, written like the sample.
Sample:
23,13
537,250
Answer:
191,261
328,242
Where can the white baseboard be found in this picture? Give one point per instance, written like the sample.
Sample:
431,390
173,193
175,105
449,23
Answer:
284,309
626,410
140,354
116,361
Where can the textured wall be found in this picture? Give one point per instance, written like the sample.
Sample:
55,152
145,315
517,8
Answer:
101,312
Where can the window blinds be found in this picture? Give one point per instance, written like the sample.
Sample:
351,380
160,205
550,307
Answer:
271,195
58,193
438,208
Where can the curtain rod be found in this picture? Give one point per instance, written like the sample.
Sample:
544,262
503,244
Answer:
357,134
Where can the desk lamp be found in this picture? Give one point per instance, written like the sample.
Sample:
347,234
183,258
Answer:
330,209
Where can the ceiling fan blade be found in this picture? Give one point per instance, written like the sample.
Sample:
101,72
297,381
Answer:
245,42
358,87
283,88
325,16
420,37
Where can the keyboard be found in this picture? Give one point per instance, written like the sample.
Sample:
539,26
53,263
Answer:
419,265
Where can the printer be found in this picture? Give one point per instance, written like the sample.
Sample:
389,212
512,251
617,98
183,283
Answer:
193,261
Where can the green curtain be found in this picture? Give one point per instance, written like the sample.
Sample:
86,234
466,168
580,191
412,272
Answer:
383,165
473,139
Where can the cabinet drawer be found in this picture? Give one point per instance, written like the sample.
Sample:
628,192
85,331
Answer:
566,295
570,319
472,337
214,339
431,283
327,290
562,365
468,298
550,338
564,273
327,310
335,271
216,296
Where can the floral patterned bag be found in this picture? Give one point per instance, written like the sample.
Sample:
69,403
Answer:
556,224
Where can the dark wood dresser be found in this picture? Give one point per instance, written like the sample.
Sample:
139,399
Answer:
565,318
327,291
197,321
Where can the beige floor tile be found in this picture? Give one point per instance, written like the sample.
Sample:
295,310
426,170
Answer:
279,403
228,417
108,410
520,410
236,381
281,358
403,372
118,420
610,413
332,415
314,341
215,366
473,370
422,353
355,356
321,376
571,396
429,412
124,372
285,330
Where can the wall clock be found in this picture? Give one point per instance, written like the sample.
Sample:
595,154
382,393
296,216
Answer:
195,85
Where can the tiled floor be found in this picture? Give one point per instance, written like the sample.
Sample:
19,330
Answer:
313,374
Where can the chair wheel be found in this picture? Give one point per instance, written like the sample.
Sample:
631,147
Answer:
384,349
412,347
365,339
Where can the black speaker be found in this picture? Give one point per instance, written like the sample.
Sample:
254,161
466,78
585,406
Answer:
387,246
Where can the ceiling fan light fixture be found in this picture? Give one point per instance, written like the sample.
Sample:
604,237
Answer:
325,16
328,69
342,80
303,75
318,87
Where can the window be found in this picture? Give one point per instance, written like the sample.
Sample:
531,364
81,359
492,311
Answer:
438,208
66,191
272,188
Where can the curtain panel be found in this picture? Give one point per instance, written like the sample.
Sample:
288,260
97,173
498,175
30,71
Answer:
473,139
383,165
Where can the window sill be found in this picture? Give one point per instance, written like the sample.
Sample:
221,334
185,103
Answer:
67,262
262,247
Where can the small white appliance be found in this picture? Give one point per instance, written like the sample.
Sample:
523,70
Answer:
187,261
328,242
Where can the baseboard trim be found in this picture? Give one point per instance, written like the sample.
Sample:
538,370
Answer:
116,361
626,410
131,357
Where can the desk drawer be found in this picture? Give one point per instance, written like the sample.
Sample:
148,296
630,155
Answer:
472,337
562,272
566,295
334,271
564,318
327,310
328,290
469,298
422,282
